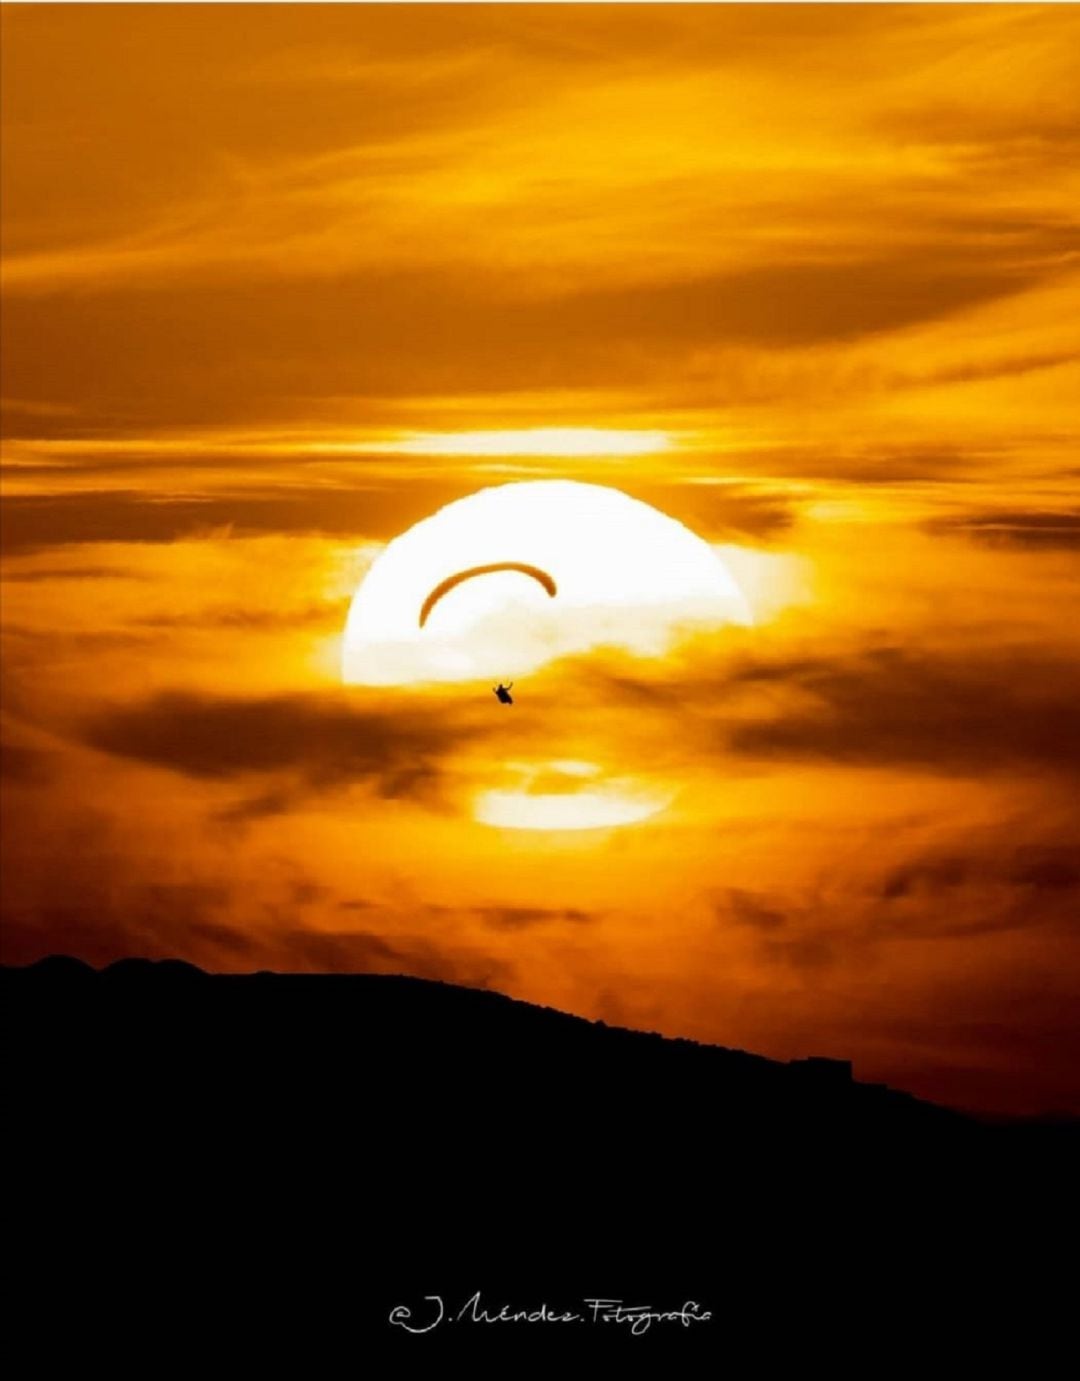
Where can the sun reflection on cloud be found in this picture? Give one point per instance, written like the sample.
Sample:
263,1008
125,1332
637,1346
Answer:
532,441
585,799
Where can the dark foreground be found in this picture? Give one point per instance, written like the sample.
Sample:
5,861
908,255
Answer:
265,1166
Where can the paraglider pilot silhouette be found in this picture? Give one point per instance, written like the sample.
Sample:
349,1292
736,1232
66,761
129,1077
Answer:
501,692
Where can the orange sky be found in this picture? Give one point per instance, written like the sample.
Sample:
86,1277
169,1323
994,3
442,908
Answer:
805,278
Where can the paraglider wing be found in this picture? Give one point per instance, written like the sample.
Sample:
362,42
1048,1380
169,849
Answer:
445,586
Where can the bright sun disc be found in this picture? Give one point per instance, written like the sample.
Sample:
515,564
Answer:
515,577
627,576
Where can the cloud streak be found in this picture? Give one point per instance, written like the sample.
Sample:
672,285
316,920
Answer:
983,710
321,741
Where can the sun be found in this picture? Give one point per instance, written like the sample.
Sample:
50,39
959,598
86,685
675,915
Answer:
600,569
508,581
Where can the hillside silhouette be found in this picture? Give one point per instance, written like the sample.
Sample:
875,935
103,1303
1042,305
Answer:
166,1032
331,1141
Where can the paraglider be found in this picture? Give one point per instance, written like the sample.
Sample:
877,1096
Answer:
445,586
501,692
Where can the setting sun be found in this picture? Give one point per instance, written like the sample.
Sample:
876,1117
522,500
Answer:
626,575
518,578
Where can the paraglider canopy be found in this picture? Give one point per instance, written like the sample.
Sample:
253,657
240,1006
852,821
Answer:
445,586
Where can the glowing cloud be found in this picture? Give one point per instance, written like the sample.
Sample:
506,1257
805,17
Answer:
534,441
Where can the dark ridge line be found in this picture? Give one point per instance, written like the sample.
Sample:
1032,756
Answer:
824,1072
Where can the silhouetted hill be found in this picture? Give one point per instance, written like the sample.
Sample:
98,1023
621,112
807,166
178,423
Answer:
388,1062
381,1134
408,1040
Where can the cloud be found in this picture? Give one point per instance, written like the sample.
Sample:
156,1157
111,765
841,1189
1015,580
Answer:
1028,867
1040,529
978,710
750,909
525,917
382,334
782,306
366,951
38,522
263,805
999,881
20,763
894,898
125,889
789,930
731,512
502,918
203,923
319,741
984,710
239,616
35,574
356,214
85,909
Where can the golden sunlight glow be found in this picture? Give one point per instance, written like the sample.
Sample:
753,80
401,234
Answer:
584,810
569,795
627,576
534,441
